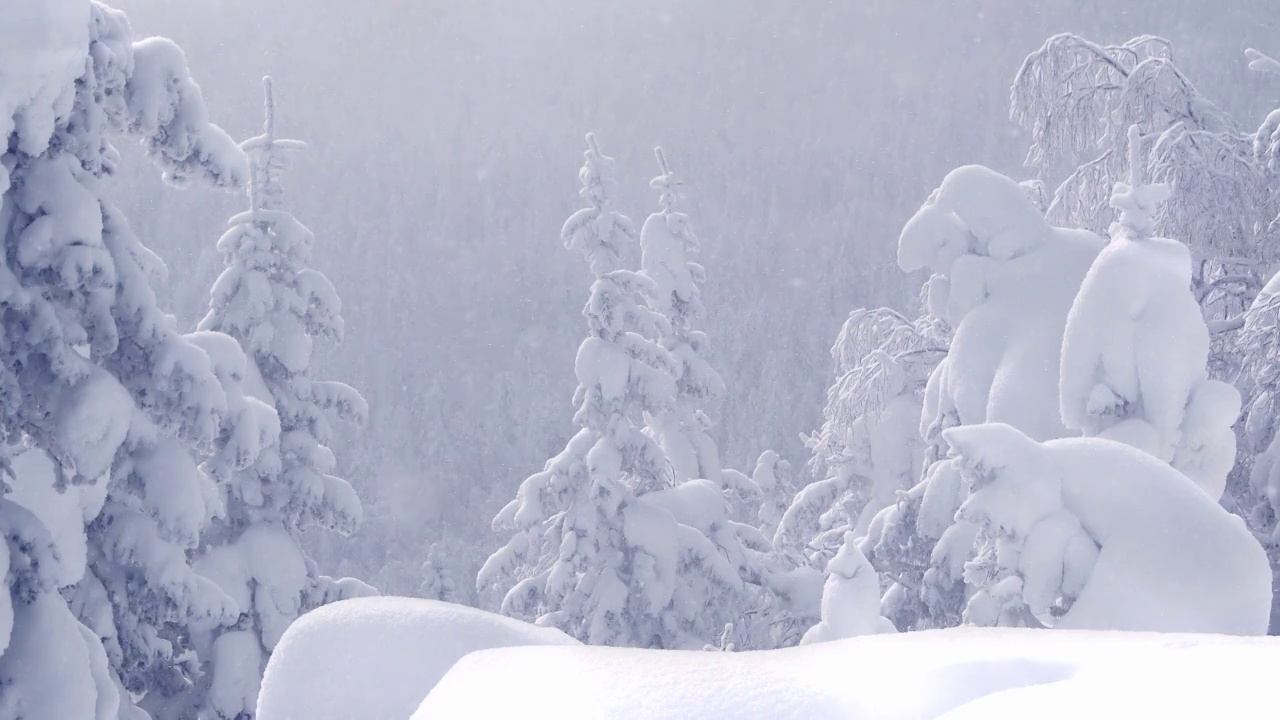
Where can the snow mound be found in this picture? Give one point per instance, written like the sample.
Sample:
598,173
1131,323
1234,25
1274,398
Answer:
375,658
1169,558
956,673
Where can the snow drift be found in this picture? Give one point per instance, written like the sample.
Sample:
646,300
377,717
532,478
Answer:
935,674
375,658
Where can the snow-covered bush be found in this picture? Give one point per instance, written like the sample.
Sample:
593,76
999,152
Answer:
104,408
1005,281
1094,534
275,306
850,598
1136,348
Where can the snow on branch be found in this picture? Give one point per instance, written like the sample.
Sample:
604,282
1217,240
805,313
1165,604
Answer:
1262,63
166,108
1080,99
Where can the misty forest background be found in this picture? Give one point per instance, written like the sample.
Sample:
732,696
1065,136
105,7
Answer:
445,140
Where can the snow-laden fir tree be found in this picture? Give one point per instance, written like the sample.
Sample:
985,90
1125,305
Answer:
604,547
1136,348
103,406
1006,281
276,306
437,583
1078,100
668,246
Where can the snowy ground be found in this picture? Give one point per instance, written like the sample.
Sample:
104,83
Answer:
957,673
377,658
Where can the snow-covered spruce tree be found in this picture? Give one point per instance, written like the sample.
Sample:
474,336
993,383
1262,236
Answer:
667,246
275,305
1136,348
1078,99
437,583
604,546
104,404
1006,281
869,447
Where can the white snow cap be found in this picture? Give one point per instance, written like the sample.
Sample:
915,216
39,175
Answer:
976,210
1010,279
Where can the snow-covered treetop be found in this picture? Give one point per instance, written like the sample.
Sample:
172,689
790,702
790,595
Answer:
668,243
266,187
268,239
665,184
1006,282
598,231
1136,201
668,246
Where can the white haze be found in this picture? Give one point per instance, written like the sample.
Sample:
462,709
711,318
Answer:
446,138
